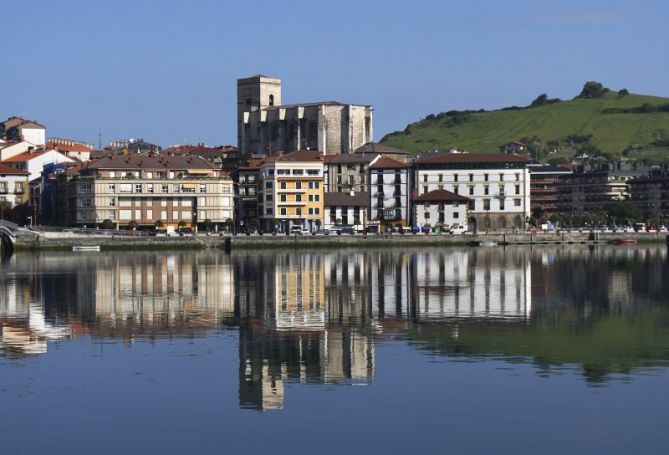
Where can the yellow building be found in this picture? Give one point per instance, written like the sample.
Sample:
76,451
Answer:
291,192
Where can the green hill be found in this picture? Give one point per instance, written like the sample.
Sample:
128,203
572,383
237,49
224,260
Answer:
611,124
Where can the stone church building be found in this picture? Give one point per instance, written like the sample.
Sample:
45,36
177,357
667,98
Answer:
265,126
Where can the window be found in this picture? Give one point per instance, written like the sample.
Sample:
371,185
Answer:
456,214
441,177
269,197
455,178
485,177
86,202
112,202
112,188
298,211
18,187
486,204
311,211
125,188
486,190
312,171
149,188
283,185
425,189
112,174
83,189
165,188
471,177
298,185
516,202
298,171
176,188
271,100
427,215
226,188
317,211
424,177
501,204
517,189
282,172
311,198
471,190
283,198
283,211
203,188
268,185
298,198
269,211
317,197
517,177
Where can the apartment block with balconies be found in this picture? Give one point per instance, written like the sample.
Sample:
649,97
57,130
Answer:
151,190
389,182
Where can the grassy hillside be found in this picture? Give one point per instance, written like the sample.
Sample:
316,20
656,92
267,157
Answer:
550,124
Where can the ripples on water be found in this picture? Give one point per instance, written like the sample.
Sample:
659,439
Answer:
317,317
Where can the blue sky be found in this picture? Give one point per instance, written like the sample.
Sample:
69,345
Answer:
166,70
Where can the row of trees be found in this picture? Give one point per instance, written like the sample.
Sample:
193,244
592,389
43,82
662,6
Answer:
622,213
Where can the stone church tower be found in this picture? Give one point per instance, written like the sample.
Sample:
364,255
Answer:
253,94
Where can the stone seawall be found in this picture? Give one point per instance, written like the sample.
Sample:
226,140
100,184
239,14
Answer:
310,241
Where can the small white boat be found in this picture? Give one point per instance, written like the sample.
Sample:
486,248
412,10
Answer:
86,248
483,243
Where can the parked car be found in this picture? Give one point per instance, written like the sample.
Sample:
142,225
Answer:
426,229
457,229
347,230
299,230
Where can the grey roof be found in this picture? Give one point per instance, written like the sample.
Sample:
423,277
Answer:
360,199
349,158
373,147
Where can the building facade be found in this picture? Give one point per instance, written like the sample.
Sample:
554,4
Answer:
140,190
497,185
545,182
440,208
348,172
346,210
291,192
389,193
13,186
651,194
265,126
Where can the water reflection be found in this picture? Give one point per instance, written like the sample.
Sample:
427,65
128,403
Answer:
315,317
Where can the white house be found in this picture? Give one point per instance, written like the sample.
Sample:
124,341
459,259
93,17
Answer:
497,184
20,129
13,185
346,210
440,208
9,149
34,161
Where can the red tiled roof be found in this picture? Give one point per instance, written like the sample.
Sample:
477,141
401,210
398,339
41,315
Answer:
4,169
387,163
301,155
440,196
466,157
67,147
25,156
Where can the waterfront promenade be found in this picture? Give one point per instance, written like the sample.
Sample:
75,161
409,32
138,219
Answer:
66,240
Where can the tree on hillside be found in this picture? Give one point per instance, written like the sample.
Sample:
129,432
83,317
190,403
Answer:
543,99
593,89
623,92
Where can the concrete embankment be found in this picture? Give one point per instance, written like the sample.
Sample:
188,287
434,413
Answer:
65,241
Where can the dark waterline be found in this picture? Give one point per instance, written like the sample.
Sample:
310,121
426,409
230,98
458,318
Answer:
516,350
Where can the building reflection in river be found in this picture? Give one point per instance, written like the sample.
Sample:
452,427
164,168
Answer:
314,317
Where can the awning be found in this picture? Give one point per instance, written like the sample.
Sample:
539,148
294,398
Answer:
188,186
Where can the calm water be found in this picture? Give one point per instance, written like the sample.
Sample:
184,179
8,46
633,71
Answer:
517,350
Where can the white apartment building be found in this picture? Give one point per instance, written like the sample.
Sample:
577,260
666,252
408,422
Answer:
497,184
181,190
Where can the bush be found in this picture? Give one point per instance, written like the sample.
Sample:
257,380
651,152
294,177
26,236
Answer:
132,224
107,224
159,224
593,89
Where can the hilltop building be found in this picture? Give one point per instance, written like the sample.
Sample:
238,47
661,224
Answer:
266,127
19,129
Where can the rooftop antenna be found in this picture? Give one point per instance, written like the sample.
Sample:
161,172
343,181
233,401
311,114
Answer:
99,140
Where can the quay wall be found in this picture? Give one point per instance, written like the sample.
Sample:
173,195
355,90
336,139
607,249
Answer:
106,242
